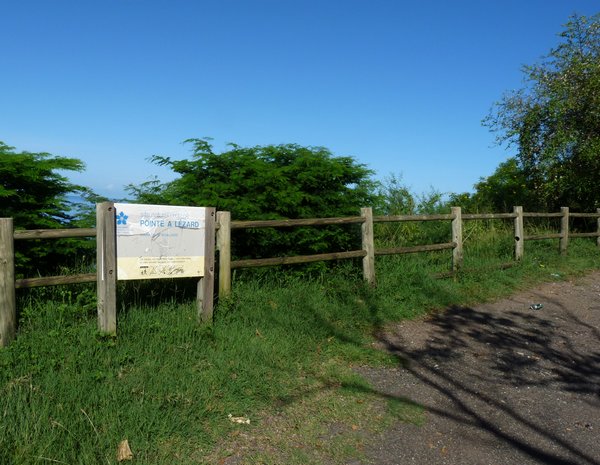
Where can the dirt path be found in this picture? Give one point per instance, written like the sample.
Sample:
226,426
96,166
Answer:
501,383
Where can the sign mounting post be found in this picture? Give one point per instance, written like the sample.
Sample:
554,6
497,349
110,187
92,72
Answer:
164,241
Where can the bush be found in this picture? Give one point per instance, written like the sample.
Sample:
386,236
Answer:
269,182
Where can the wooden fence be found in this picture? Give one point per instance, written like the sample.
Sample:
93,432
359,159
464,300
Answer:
225,225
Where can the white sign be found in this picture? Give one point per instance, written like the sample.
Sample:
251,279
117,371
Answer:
159,241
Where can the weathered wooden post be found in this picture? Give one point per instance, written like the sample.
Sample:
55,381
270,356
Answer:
519,233
457,251
564,230
224,247
106,267
8,307
368,245
206,284
598,227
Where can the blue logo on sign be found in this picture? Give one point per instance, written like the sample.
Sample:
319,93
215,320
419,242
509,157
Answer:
122,218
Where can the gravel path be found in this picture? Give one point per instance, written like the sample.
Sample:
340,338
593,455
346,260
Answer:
501,383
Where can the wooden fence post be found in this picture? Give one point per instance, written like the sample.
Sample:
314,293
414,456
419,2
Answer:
206,284
598,228
106,267
8,308
224,247
457,251
368,245
519,233
564,230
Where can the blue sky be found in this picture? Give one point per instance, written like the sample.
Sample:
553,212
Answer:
400,86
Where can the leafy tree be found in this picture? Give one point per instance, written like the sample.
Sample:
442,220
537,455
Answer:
554,121
36,196
465,200
269,182
505,188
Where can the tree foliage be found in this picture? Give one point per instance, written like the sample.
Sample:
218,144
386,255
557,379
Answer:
268,182
554,121
36,195
505,188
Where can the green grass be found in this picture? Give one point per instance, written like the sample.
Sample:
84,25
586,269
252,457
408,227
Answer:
280,352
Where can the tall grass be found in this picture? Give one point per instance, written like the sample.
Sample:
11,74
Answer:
70,395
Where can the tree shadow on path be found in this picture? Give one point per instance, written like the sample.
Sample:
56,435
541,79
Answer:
501,383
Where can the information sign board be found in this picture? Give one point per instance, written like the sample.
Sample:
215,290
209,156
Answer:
159,241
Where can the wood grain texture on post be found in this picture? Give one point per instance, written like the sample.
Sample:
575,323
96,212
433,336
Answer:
106,267
598,227
206,285
519,233
564,230
224,247
457,252
368,245
8,309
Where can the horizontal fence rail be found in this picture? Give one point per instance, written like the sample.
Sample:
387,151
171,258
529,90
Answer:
55,280
590,234
295,223
258,262
415,249
584,215
488,216
54,233
543,236
225,225
397,218
542,215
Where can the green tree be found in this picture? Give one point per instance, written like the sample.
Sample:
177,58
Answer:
505,188
269,182
36,196
554,121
